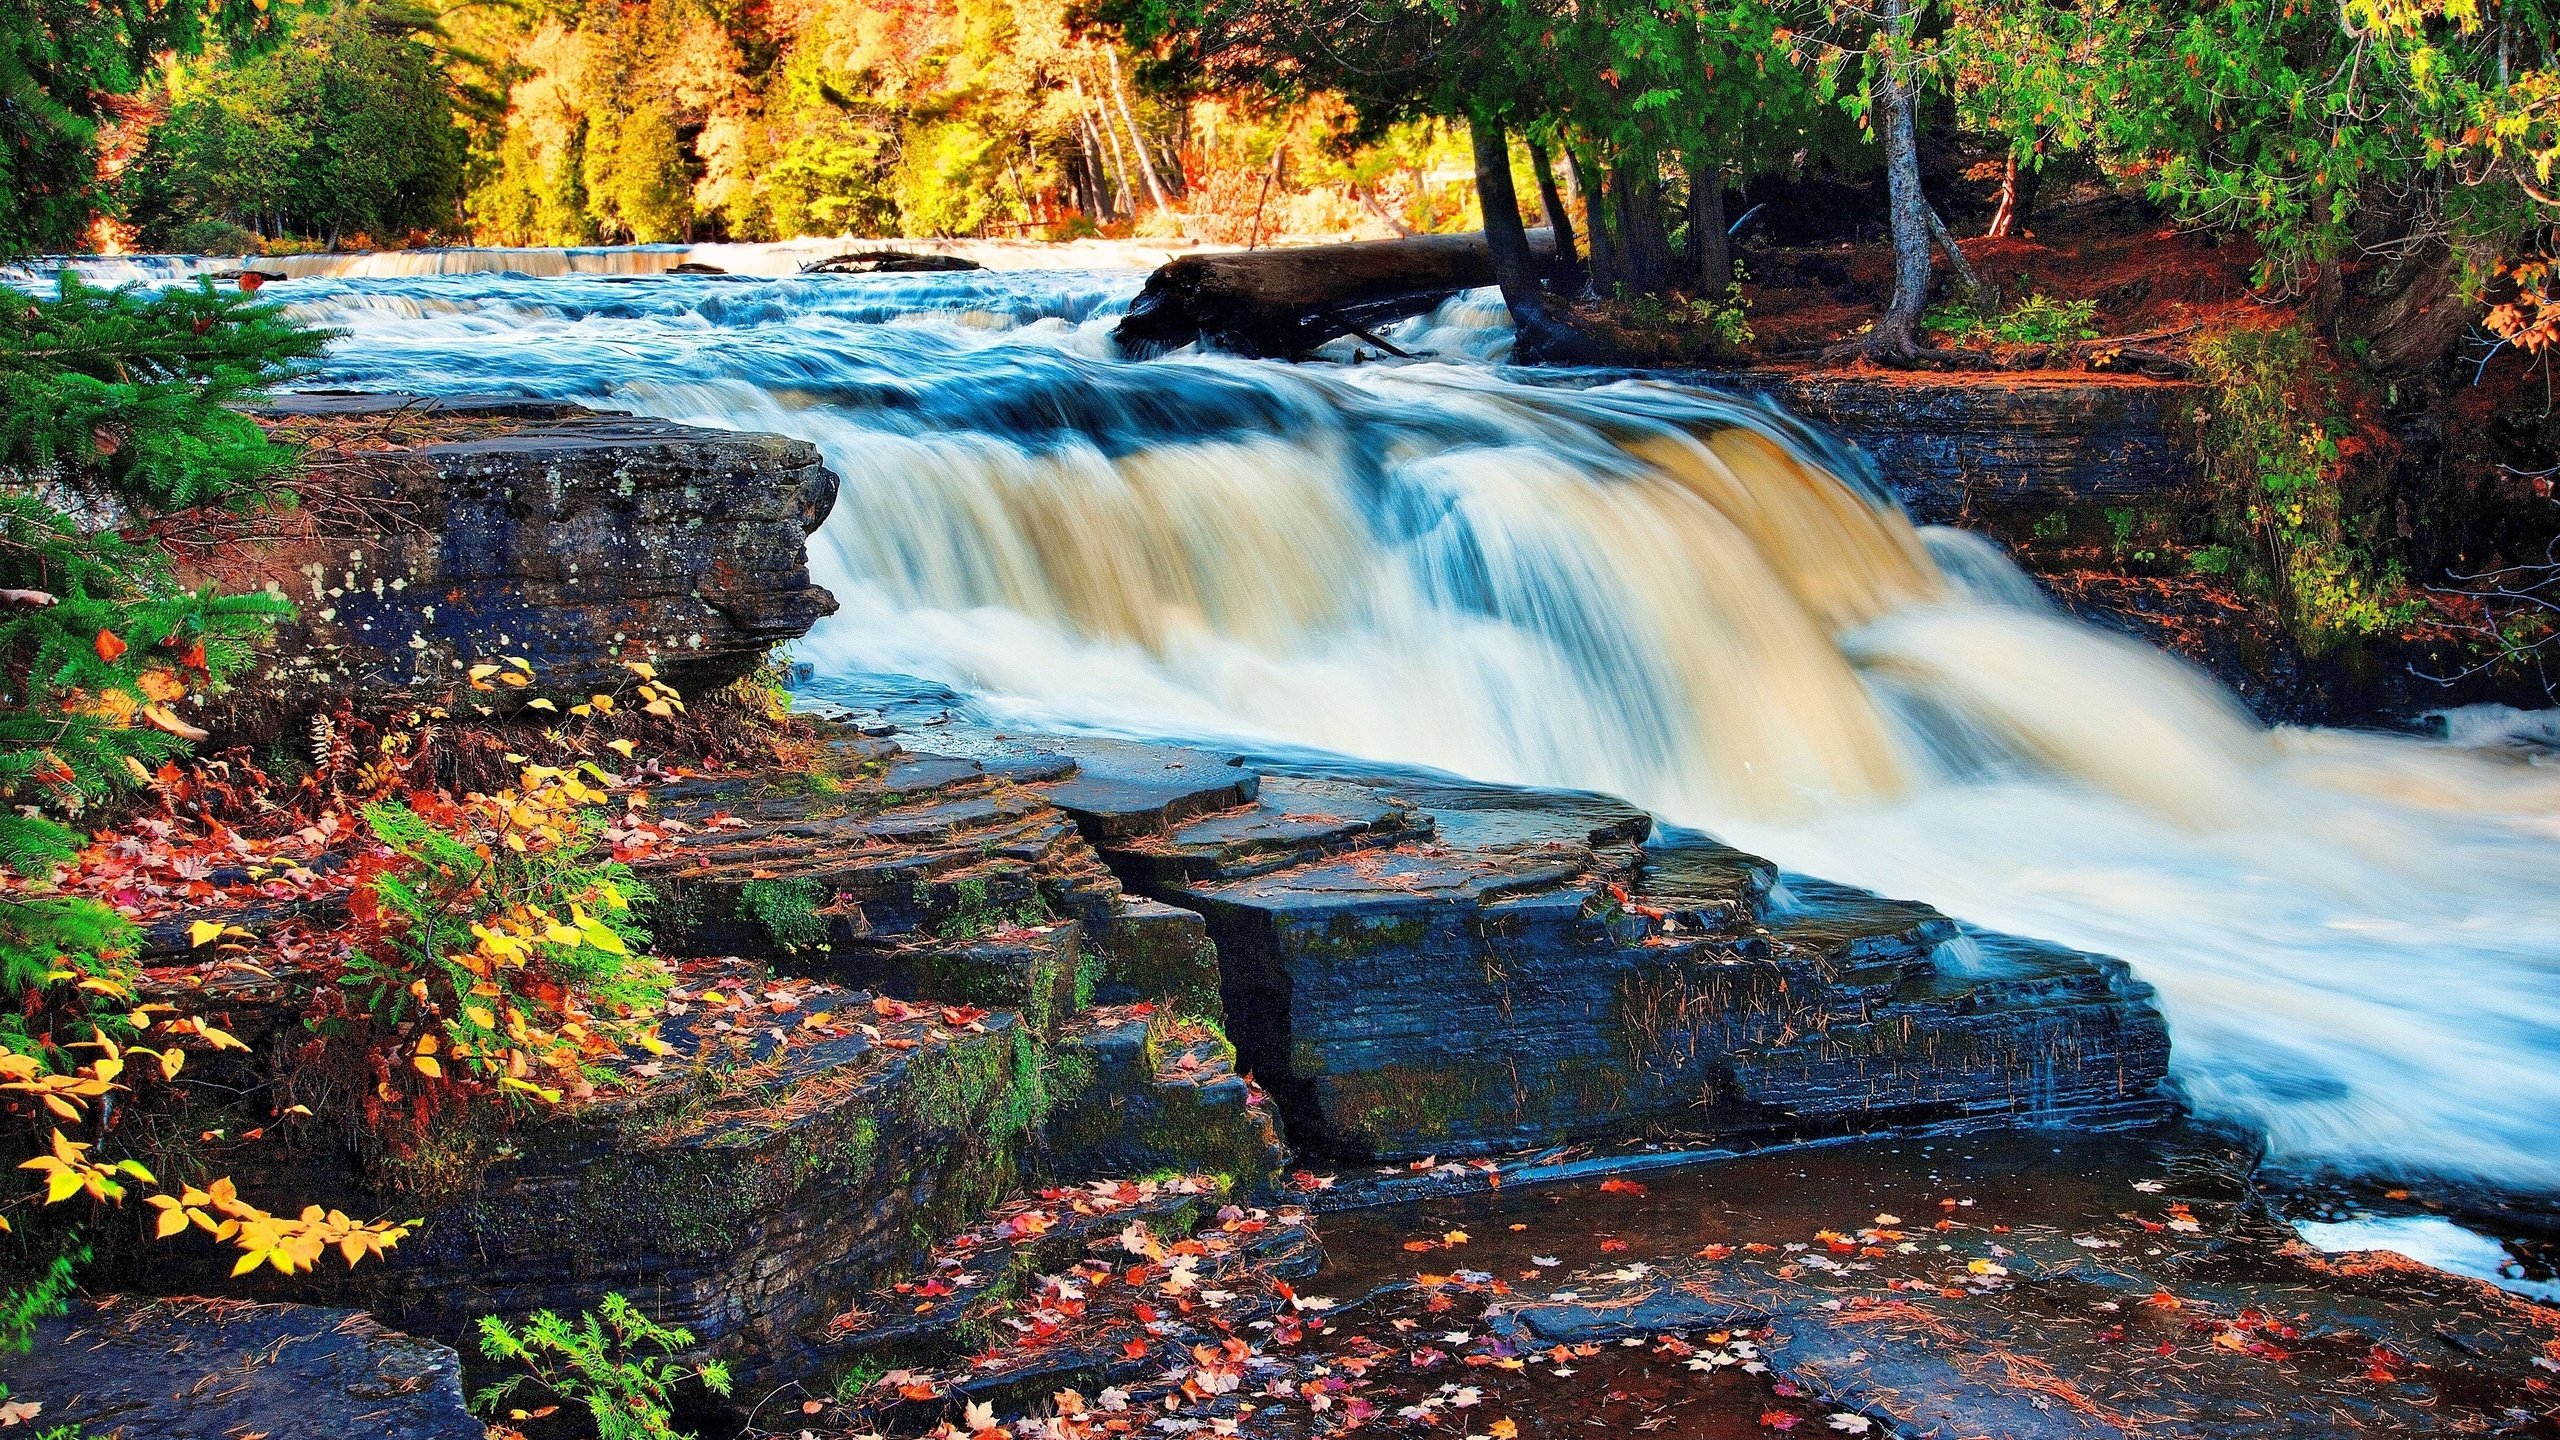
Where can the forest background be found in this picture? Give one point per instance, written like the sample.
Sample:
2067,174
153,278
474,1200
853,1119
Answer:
387,123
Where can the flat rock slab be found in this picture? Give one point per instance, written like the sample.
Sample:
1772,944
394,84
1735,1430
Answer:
857,865
1122,789
127,1368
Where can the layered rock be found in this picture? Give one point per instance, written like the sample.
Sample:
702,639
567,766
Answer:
946,995
436,534
910,1039
1951,447
1507,968
797,1141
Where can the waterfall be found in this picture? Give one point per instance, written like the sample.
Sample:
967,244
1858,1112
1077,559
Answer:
1683,598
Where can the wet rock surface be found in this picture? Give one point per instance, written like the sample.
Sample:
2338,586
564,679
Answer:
1143,1090
1109,1284
966,1105
2011,1285
885,1023
442,533
130,1368
2014,1285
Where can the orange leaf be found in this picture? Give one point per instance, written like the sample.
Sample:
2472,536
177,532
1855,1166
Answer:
109,646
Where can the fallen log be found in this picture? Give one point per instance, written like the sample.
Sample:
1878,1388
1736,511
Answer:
1284,303
888,262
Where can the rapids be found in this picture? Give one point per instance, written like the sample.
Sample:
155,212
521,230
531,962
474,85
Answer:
1685,599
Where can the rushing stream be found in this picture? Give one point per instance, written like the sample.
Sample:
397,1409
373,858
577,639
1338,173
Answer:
1683,599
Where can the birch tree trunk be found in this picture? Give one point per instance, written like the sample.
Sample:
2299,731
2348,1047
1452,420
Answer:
1138,142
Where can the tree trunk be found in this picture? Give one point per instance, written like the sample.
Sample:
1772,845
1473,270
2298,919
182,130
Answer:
1983,298
1559,223
2412,312
1592,182
2005,216
1515,267
1644,254
1111,141
1287,301
1137,142
1710,254
1898,329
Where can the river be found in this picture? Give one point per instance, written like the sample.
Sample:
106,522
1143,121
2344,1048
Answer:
1657,592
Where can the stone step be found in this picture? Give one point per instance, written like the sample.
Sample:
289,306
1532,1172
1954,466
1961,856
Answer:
1154,951
1041,972
1141,1091
1121,790
1292,821
1702,884
872,846
1857,942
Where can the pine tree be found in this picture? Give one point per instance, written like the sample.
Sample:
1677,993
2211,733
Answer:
116,407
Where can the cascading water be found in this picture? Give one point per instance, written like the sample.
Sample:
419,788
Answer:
1627,587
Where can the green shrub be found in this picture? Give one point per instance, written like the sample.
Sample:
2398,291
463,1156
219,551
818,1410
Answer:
614,1360
788,911
2038,319
213,237
2271,440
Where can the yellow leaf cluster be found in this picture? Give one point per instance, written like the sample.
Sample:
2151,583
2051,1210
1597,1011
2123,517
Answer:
69,1171
284,1243
65,1094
